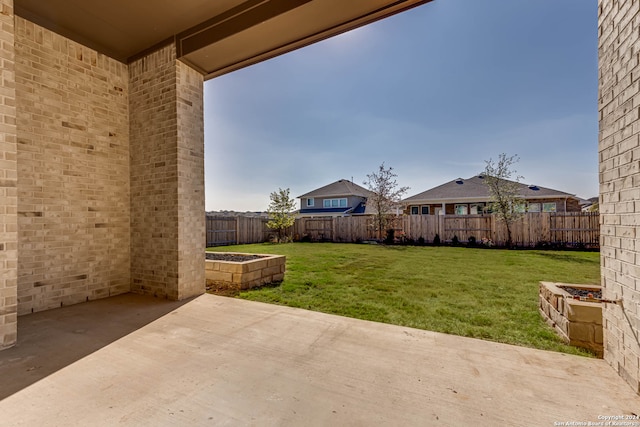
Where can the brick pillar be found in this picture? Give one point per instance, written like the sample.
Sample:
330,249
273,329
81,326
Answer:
167,176
619,151
8,181
191,209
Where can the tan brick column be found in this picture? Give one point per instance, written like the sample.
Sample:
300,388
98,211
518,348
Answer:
619,150
8,181
167,177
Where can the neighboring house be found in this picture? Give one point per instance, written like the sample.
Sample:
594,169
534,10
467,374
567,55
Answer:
471,196
590,205
341,198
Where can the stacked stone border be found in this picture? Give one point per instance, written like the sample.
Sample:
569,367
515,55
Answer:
579,323
246,274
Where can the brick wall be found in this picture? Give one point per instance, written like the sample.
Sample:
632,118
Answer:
8,180
73,169
619,152
191,218
167,183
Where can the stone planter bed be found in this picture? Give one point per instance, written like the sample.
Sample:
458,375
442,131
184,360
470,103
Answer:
575,312
239,271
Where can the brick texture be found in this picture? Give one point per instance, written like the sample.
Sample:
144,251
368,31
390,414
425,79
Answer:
8,180
191,218
73,169
167,182
619,159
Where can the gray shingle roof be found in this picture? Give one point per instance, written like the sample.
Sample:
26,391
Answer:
342,187
475,188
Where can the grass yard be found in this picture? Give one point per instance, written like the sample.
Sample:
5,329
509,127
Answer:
480,293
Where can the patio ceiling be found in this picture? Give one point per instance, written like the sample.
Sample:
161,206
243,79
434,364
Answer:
214,37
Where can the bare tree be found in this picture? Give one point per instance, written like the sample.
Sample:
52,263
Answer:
280,212
502,180
386,195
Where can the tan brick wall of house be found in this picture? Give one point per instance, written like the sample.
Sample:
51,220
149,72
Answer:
8,181
167,182
73,171
619,151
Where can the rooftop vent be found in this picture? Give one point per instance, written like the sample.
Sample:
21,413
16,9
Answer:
459,181
534,187
481,176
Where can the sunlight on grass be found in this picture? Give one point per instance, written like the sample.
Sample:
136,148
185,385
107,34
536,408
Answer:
480,293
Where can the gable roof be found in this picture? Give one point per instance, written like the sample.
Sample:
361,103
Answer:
342,187
475,188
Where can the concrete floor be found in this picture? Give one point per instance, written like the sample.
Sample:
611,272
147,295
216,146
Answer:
133,360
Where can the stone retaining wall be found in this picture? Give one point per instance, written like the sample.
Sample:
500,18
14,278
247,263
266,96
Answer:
579,323
245,274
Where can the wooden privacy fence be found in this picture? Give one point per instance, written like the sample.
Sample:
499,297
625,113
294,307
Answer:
223,231
532,229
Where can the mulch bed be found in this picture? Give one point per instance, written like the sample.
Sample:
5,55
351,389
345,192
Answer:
231,257
584,293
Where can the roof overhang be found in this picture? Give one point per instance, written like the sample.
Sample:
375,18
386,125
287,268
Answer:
440,201
214,37
326,196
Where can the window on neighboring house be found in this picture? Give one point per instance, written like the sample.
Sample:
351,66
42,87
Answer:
533,207
549,207
475,209
424,210
334,203
414,210
461,209
519,207
310,202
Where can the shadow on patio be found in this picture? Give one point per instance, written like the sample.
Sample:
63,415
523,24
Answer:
51,340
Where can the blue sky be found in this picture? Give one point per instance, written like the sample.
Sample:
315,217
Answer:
432,92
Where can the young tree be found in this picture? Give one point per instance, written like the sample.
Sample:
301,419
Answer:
386,195
502,180
280,212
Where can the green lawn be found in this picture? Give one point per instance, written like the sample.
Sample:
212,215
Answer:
483,293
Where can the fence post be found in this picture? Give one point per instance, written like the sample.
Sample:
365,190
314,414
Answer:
493,229
333,229
406,228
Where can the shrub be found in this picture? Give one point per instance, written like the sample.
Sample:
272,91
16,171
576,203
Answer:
455,241
471,241
486,242
421,241
436,240
390,236
306,238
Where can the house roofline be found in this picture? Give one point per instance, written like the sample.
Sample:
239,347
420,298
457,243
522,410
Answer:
480,199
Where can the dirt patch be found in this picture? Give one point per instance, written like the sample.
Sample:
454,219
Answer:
222,291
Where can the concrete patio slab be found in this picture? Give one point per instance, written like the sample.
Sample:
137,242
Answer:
223,361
